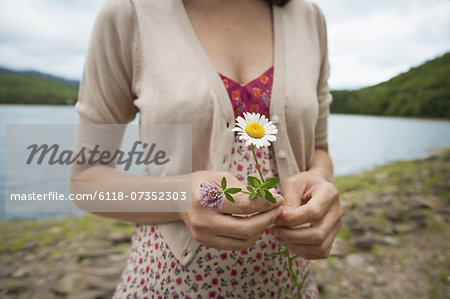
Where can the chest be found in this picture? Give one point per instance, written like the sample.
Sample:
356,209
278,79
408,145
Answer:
237,36
178,78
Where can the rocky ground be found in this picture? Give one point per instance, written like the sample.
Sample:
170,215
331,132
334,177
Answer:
63,257
394,244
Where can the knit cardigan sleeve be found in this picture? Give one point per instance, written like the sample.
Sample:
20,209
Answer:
107,89
323,92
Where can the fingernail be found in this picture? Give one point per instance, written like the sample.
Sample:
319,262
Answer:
279,199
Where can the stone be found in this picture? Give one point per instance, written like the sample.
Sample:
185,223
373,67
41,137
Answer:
15,289
420,203
345,284
95,282
30,245
419,216
67,284
118,237
405,228
119,258
95,254
389,241
88,294
338,265
358,229
112,272
371,269
356,260
43,291
20,272
379,281
55,230
444,211
338,249
395,214
365,243
6,271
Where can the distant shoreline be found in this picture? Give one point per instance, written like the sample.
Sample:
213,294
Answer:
38,105
427,118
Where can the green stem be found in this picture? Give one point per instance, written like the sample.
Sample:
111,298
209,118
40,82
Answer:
257,164
297,285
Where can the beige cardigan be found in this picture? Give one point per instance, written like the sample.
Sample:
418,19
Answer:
144,56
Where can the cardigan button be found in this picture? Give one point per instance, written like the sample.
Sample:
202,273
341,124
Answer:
275,119
282,154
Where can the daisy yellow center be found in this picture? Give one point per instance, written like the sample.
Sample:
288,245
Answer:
255,130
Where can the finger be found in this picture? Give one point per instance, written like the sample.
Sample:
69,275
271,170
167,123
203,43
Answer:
242,205
317,251
239,227
293,191
312,235
314,210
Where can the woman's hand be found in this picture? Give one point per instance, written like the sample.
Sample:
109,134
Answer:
219,228
309,199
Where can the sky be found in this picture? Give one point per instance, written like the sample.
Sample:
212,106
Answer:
369,41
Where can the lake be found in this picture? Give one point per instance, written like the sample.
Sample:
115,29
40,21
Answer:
356,142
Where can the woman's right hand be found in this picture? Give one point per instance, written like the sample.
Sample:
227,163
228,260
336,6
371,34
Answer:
219,228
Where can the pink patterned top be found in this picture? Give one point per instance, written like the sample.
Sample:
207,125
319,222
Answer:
152,270
253,96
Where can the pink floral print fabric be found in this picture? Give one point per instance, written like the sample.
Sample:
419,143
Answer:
253,96
153,272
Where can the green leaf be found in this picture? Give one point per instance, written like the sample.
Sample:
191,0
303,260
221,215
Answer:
304,279
263,192
224,183
284,251
270,183
229,197
269,197
233,190
251,196
288,292
250,189
254,182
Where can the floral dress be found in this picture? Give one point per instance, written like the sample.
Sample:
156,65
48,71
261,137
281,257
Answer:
153,271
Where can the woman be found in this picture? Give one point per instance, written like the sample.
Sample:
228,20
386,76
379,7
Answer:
198,61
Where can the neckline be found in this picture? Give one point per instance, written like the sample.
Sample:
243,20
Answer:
206,67
248,83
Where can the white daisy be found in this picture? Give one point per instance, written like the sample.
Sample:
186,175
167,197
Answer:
255,129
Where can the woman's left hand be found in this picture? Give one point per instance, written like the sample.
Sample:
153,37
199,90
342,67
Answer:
309,199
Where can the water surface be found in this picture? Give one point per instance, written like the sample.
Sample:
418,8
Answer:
356,142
